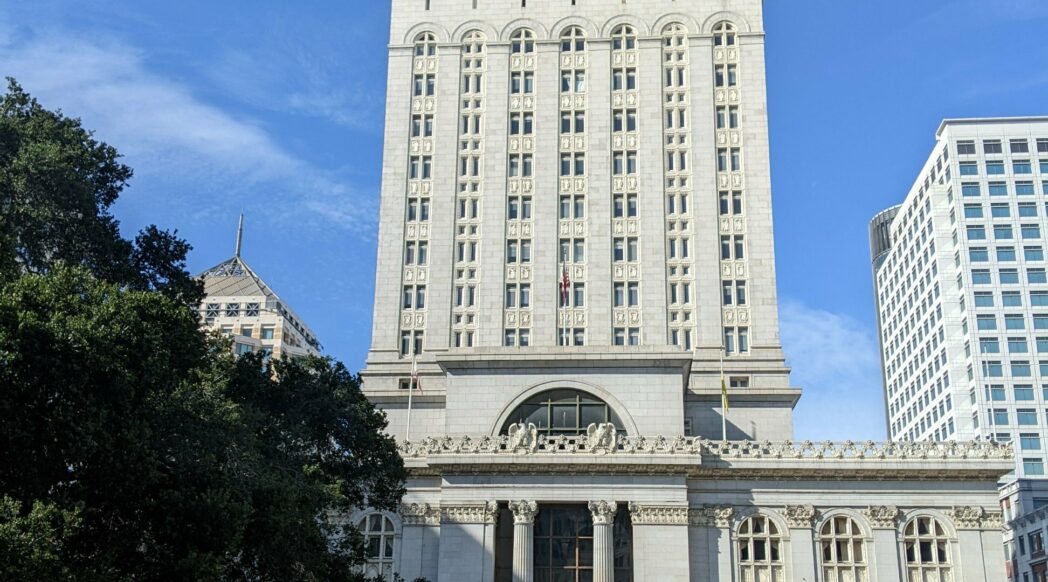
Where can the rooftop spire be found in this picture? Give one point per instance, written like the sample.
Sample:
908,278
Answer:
240,234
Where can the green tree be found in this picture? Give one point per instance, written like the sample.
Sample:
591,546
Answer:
149,452
57,184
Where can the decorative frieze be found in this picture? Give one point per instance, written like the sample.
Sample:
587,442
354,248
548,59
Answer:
967,517
480,513
603,512
658,514
524,512
882,516
711,516
419,514
800,516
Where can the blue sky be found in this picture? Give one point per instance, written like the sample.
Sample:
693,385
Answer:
276,110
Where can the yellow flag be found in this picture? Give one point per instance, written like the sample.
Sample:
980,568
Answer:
724,395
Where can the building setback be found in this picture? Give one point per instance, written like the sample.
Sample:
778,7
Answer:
575,270
962,305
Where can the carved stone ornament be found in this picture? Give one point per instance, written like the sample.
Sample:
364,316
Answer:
600,438
711,516
882,516
967,517
523,439
419,514
481,513
524,511
658,514
603,512
800,516
993,520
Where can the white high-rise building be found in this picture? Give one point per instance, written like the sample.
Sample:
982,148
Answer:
962,294
575,258
962,306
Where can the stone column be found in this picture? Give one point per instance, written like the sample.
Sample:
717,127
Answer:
603,543
711,542
660,542
524,513
973,556
800,519
419,540
467,542
885,550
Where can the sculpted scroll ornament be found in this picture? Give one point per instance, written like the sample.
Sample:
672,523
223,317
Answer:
523,438
882,516
419,514
658,514
600,438
603,512
967,517
800,516
524,511
482,513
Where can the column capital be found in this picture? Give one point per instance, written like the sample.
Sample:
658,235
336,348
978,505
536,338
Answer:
419,514
967,517
603,512
711,516
800,516
472,513
641,514
882,516
524,512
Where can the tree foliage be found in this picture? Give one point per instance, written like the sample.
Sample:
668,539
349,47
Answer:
57,185
133,446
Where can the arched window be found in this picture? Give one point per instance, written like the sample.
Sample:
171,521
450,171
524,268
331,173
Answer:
573,40
675,36
760,551
473,43
624,37
522,41
724,34
378,539
927,550
843,551
426,45
562,412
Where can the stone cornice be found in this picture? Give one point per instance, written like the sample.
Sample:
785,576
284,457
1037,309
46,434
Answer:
419,514
643,514
603,512
1028,518
473,513
701,458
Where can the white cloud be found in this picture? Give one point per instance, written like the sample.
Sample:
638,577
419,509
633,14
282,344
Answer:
835,359
164,129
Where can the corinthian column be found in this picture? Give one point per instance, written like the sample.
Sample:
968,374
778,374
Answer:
524,513
603,544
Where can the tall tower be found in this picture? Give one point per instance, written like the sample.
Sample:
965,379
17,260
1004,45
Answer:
962,295
578,194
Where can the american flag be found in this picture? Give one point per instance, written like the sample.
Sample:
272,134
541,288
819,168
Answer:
565,285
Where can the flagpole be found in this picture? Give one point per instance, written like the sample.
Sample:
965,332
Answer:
724,401
411,392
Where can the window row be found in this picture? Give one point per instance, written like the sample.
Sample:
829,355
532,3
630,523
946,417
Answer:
996,146
213,310
1016,345
1005,254
1011,299
1012,321
1008,276
996,168
1003,231
1001,210
1001,188
1018,369
1020,393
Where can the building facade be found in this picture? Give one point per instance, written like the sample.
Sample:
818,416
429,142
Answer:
962,305
575,277
240,305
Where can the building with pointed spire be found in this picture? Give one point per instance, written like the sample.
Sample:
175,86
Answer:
239,304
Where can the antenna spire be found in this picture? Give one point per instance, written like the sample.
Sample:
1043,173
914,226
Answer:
240,234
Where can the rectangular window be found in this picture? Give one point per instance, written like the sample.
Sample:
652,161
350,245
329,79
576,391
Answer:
1020,369
973,211
1003,232
1009,276
1027,210
969,169
1014,321
966,148
998,189
970,189
1026,417
1022,167
1025,189
992,146
1019,146
1011,299
1017,345
1036,276
986,322
984,299
1030,231
999,210
1033,467
1006,254
981,277
976,232
1039,298
978,255
995,168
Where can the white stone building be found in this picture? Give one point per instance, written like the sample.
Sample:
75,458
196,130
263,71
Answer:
575,250
962,303
239,304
